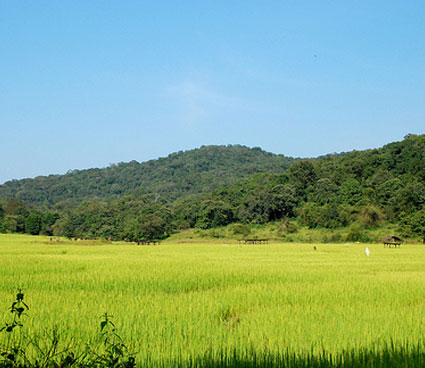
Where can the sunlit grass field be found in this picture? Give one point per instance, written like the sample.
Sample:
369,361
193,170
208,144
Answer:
177,303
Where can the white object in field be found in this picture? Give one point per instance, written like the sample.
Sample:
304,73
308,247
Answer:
367,251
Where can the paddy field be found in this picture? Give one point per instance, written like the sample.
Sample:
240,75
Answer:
225,304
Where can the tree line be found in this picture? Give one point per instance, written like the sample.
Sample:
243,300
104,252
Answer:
180,174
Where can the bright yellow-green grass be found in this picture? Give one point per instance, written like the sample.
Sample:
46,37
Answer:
183,300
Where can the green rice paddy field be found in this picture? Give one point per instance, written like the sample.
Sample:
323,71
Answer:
215,304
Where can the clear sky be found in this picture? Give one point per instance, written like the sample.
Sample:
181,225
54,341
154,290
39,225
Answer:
88,83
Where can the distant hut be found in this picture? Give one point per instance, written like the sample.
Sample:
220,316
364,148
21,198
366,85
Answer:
392,240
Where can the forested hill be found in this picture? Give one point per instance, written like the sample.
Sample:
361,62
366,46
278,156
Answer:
217,186
196,171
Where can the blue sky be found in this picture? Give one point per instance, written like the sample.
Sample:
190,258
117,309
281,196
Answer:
88,83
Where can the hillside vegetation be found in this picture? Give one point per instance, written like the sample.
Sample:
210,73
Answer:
196,171
358,191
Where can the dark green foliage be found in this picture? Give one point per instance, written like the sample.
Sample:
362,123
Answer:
213,214
152,226
416,222
34,223
350,191
313,215
18,218
371,216
356,233
11,343
303,174
324,191
14,207
69,225
49,220
132,219
14,223
186,211
389,355
180,174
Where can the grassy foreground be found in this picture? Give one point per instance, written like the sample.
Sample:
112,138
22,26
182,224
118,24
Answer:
227,304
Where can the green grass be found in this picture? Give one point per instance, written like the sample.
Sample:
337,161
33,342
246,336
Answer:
278,232
184,304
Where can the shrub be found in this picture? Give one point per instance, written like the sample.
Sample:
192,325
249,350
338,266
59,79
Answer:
288,226
335,238
355,233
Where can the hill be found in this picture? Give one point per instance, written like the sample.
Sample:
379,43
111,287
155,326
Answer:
191,172
212,187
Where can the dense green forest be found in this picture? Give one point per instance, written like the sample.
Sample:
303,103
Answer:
196,171
360,189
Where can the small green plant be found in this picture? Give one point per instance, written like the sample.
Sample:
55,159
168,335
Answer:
11,350
230,317
112,351
355,233
115,352
288,226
